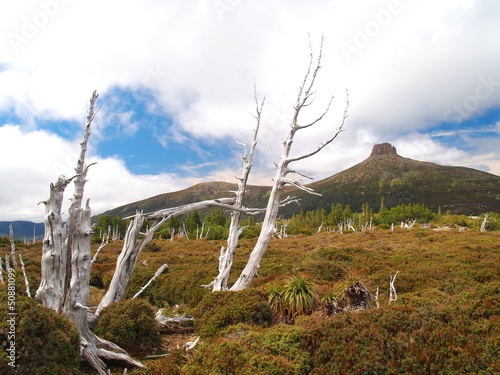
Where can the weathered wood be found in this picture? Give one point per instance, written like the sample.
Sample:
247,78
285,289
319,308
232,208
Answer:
51,291
484,223
174,325
26,281
104,242
125,264
66,261
12,247
282,170
227,254
132,247
393,296
157,273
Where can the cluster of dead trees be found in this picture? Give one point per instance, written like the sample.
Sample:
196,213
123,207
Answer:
66,256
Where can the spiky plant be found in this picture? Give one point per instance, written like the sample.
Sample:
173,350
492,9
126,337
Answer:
299,297
275,298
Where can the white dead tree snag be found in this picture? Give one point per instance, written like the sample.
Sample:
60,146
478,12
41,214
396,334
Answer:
393,296
66,261
132,246
12,246
104,242
26,281
227,254
484,223
304,99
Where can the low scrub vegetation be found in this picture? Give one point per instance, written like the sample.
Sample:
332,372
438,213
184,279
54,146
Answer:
320,305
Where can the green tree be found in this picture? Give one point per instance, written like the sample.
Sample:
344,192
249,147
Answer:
216,217
193,221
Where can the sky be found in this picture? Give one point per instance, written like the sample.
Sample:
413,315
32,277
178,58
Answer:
176,90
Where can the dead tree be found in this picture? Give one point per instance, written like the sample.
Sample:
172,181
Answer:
104,242
227,254
12,246
66,261
393,296
26,281
132,246
304,99
484,223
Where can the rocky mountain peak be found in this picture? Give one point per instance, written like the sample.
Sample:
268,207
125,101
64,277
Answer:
383,149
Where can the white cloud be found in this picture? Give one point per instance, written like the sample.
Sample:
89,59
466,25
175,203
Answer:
32,160
412,64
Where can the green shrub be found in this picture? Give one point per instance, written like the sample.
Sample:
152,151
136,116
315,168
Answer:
221,309
169,365
245,350
46,343
431,339
130,324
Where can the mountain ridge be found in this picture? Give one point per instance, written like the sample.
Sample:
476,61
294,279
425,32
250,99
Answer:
384,177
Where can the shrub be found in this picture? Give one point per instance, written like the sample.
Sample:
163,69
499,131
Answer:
252,351
169,365
45,342
130,324
221,309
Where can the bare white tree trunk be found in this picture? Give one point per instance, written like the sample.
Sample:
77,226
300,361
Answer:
26,281
1,269
51,291
393,296
132,247
226,257
104,242
304,99
12,246
125,263
484,223
66,261
7,262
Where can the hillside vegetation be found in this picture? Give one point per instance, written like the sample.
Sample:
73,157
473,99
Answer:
384,178
300,318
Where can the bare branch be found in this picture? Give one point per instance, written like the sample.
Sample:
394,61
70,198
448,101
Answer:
324,144
157,273
298,185
319,118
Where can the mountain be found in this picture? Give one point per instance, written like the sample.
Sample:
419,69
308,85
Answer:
397,180
255,197
383,176
22,230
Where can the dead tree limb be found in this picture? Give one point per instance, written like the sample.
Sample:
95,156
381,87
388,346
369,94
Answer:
157,273
282,170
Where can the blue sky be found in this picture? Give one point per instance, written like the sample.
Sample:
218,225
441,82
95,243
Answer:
176,84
